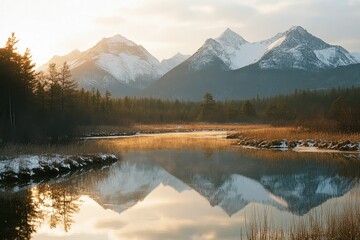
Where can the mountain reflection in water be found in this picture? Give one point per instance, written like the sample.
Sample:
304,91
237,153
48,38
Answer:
175,194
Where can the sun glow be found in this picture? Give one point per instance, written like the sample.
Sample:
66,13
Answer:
164,27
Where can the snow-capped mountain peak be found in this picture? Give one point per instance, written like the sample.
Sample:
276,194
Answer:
119,39
170,63
295,48
231,38
298,29
179,56
301,50
227,47
116,63
117,45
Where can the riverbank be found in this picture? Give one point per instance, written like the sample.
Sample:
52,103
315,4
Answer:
136,129
287,138
111,139
26,168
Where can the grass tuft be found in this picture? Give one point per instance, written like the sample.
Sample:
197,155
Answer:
337,223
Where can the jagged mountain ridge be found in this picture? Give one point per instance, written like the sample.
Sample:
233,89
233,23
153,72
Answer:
170,63
292,49
116,64
229,67
301,50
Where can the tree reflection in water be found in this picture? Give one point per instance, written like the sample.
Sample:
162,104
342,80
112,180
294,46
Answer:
17,216
57,204
22,213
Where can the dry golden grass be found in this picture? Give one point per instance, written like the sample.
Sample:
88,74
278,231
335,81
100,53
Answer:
197,126
258,131
336,223
170,127
291,133
192,140
201,140
198,140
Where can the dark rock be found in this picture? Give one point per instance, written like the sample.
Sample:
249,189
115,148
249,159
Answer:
275,142
292,144
264,144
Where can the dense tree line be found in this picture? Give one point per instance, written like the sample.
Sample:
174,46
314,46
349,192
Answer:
323,110
48,106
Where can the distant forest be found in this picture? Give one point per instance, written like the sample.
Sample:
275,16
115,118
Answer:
48,106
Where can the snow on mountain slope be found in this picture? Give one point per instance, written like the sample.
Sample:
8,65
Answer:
294,48
235,193
233,50
123,60
70,58
239,53
126,67
301,50
170,63
356,56
116,63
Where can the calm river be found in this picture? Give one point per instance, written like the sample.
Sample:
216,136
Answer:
180,194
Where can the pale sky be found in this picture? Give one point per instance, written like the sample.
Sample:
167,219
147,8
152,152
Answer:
165,27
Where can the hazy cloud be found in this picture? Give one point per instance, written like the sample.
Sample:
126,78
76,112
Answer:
113,224
165,27
190,230
184,25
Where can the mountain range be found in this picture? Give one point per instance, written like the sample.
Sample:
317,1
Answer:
116,64
229,67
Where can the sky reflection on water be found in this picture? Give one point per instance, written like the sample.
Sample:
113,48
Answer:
180,194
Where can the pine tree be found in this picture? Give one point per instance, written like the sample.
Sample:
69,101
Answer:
68,85
107,100
40,89
248,109
53,78
16,85
207,107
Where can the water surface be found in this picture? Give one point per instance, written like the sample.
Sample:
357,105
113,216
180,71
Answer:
179,194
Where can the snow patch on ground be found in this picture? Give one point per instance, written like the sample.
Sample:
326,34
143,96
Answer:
30,164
